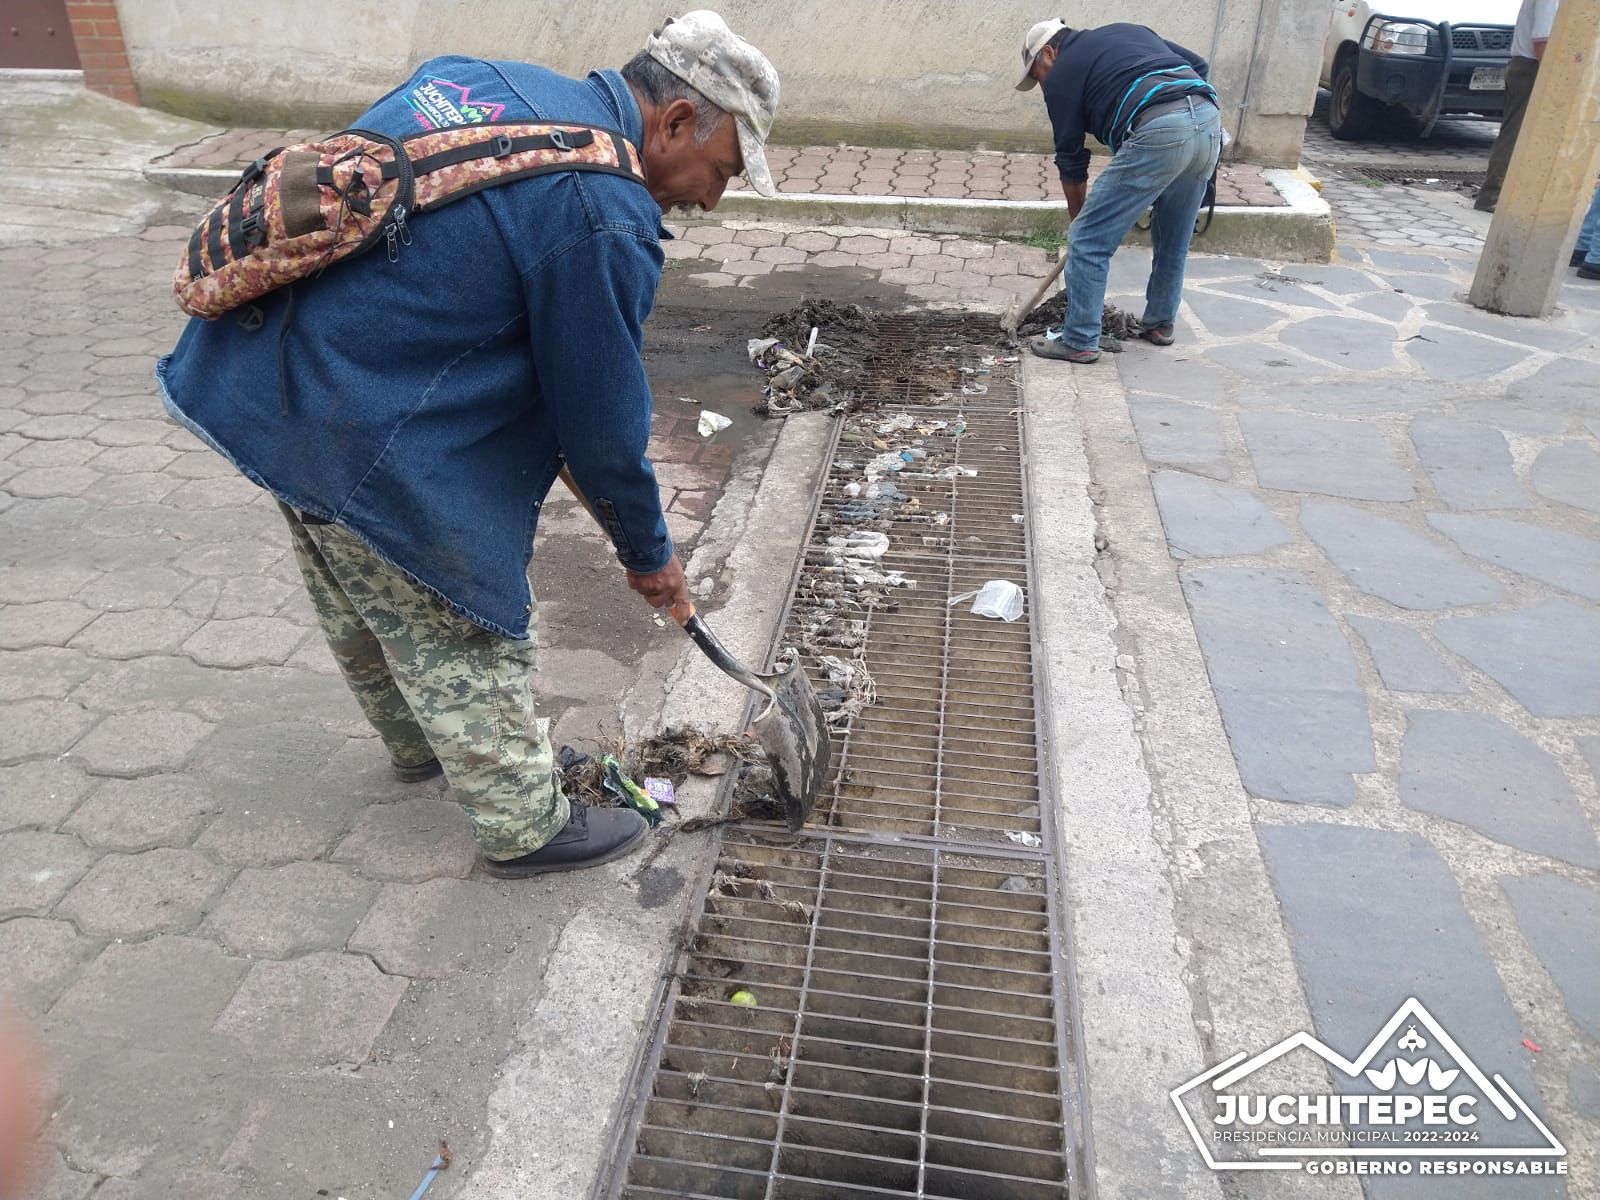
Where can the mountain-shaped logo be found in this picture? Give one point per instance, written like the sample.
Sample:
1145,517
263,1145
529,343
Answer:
1409,1103
439,102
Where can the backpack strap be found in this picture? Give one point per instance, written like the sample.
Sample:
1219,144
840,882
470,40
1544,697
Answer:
494,154
503,145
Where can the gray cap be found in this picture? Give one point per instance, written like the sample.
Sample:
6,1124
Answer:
701,50
1038,37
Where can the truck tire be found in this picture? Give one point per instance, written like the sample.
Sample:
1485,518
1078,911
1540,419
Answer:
1352,115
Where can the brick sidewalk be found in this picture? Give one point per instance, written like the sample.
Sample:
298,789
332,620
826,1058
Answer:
834,170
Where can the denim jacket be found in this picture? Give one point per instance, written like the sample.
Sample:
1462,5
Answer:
432,398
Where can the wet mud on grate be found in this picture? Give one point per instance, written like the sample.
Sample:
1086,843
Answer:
881,1006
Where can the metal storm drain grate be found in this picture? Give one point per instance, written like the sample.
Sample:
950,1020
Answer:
881,1006
1422,176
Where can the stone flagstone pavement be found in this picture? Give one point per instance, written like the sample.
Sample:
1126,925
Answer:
1384,510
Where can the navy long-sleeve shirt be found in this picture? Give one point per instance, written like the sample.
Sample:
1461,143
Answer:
1103,77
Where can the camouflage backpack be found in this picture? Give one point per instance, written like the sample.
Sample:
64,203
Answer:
298,209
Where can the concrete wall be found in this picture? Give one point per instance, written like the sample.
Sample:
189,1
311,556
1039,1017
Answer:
894,72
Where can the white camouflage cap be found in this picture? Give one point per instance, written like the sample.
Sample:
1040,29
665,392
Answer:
1037,37
701,50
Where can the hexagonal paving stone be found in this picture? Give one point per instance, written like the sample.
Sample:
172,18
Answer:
40,957
139,743
162,994
289,910
137,633
43,673
40,727
142,587
434,929
43,482
138,814
128,895
411,841
36,869
244,641
49,623
40,794
321,1009
23,584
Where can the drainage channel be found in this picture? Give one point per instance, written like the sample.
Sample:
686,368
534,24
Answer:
1417,176
881,1006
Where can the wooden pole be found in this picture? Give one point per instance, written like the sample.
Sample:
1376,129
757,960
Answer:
1552,173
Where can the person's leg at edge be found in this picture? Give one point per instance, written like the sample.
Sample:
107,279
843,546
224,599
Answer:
470,690
1520,76
1589,239
358,654
1172,219
1139,172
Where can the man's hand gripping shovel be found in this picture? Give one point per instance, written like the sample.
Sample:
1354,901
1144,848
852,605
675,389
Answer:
792,728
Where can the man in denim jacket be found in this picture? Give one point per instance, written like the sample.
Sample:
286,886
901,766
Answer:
413,415
1148,100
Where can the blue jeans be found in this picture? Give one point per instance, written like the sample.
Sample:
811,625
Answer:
1163,166
1588,242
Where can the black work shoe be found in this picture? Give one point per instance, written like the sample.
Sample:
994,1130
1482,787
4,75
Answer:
1157,335
428,770
1577,258
590,837
1588,272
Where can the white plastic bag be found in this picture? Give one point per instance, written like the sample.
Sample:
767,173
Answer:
712,422
999,598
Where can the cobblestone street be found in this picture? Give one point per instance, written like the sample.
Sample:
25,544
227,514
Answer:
1371,208
1380,509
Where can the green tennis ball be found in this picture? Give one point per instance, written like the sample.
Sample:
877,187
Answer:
744,998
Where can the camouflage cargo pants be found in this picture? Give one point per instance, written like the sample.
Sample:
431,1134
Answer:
434,685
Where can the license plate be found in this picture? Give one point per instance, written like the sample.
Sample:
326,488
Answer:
1488,79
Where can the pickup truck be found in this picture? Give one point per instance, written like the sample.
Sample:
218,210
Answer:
1406,63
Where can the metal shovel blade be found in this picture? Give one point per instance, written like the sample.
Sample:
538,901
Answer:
794,733
793,729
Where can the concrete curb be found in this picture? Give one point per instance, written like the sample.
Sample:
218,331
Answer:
1299,231
210,182
40,75
564,1084
1136,1016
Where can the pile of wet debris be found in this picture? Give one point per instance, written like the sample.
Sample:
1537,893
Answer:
1114,322
815,356
645,775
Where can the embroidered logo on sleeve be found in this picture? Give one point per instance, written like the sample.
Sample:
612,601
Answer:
438,103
